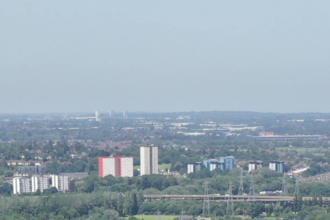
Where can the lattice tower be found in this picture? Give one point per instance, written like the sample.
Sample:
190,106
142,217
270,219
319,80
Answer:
252,197
206,203
241,184
230,204
159,217
284,186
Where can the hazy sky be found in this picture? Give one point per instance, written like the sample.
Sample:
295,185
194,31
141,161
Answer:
81,56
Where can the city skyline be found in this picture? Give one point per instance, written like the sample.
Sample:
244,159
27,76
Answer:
164,109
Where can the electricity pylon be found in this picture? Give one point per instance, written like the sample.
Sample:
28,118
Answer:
182,215
297,190
252,197
284,186
158,215
241,184
206,203
230,204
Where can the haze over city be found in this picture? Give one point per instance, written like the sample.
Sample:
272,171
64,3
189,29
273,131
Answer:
160,56
167,110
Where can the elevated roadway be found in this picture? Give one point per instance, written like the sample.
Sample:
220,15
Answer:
236,198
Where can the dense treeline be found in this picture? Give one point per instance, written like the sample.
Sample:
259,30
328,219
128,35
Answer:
70,206
115,206
265,180
106,205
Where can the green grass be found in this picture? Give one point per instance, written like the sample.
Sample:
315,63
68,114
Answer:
298,149
155,217
164,166
160,166
317,151
168,217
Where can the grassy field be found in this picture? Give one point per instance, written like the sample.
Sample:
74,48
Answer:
164,166
163,217
155,217
317,151
171,217
160,166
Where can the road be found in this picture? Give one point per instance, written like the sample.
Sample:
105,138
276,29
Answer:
236,198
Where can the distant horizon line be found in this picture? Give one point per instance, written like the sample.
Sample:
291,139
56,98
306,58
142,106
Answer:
160,112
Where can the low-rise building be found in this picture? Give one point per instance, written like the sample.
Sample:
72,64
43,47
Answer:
31,170
75,175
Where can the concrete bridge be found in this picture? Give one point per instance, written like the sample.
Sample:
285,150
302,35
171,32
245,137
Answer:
236,198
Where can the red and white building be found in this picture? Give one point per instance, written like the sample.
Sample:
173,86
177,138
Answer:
116,166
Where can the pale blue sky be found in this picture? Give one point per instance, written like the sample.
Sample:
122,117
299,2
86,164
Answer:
79,56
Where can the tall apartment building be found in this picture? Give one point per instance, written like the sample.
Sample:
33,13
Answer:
97,115
277,166
116,166
212,164
60,182
223,163
21,185
255,165
194,167
229,162
39,182
148,160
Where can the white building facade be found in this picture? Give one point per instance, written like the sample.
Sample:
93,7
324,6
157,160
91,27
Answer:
21,185
126,167
60,182
190,168
148,160
277,166
116,166
255,165
39,182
